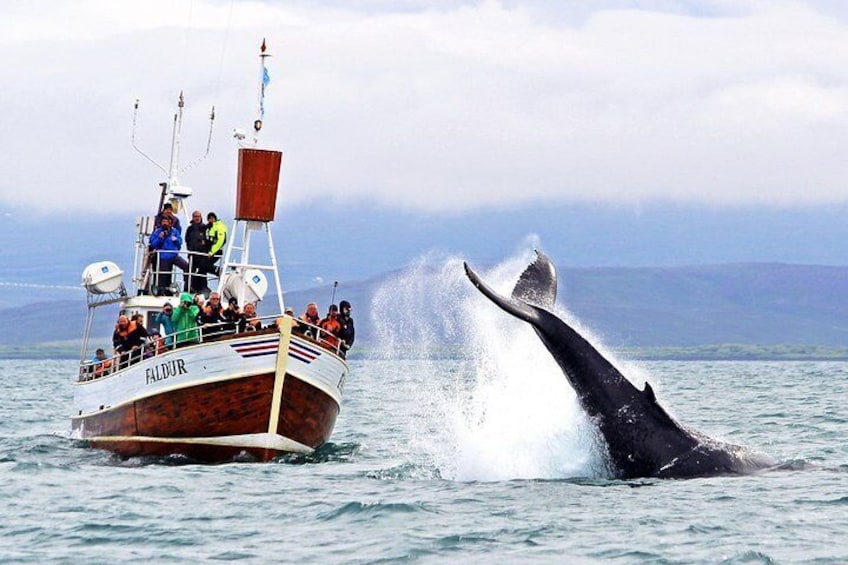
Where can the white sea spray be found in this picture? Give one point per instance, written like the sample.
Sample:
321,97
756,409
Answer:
506,411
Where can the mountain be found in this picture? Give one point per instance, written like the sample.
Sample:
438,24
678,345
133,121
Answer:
342,241
749,303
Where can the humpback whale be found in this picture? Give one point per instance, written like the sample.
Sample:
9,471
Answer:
642,439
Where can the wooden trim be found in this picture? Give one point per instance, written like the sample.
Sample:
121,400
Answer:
285,326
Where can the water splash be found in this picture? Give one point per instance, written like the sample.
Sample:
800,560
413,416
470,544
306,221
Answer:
498,406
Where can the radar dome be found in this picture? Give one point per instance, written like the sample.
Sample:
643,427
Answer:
249,286
103,277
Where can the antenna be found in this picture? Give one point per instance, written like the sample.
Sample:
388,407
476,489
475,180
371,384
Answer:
143,154
173,171
208,144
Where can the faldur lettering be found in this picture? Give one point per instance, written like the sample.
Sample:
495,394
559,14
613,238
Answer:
165,370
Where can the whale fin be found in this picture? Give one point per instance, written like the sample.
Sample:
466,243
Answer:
649,393
537,285
517,308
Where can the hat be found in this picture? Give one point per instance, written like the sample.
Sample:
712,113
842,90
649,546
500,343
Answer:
233,300
344,304
167,305
334,308
289,310
186,297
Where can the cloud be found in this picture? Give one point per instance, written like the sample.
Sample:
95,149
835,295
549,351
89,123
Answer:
441,108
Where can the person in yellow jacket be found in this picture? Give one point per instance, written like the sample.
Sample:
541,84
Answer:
217,235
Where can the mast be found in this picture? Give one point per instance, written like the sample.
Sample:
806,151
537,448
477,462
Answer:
264,80
171,190
256,200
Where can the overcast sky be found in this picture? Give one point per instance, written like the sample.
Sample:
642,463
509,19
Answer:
439,107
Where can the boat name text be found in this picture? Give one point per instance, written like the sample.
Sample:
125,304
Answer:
165,370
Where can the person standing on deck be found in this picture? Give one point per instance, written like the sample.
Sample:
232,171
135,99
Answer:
197,243
217,234
164,320
168,212
348,332
165,241
185,320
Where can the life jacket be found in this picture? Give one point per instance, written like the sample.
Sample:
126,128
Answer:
331,328
331,325
314,320
125,332
102,367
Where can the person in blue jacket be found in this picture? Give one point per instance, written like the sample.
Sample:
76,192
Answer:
166,241
164,320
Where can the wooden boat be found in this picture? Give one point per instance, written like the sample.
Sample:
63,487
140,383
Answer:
218,393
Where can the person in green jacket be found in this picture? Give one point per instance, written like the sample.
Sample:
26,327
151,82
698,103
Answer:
184,320
217,234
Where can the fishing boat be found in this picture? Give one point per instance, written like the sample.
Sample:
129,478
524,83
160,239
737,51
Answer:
222,391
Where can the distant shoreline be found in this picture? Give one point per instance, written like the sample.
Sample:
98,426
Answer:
715,352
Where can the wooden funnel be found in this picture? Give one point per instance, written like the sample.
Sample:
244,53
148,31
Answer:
258,177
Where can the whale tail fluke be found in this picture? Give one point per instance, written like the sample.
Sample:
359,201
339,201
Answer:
517,308
537,285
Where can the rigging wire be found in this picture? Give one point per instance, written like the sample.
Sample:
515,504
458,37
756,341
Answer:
224,46
186,34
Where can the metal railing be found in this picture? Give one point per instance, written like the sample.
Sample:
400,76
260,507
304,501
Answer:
159,344
154,279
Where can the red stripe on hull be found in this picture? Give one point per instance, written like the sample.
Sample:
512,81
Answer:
234,407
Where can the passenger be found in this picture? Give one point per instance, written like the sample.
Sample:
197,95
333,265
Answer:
197,243
138,331
168,212
248,322
294,325
156,345
137,337
212,314
185,321
101,365
217,234
331,326
119,336
165,241
231,315
150,257
163,320
347,332
311,315
330,323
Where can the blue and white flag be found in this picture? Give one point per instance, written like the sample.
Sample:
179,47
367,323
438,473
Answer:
266,79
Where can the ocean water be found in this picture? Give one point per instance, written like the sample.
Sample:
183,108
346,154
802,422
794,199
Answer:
484,459
418,471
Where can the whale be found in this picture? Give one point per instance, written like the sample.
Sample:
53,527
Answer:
642,439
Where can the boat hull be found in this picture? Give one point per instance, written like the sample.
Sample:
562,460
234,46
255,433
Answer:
216,401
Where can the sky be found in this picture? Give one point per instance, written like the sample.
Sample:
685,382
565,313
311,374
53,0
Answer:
439,108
